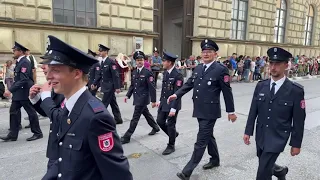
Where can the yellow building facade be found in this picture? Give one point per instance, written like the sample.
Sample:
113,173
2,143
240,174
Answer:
247,27
115,24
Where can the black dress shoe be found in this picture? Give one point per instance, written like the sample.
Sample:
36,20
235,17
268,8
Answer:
119,122
280,171
210,165
8,138
28,126
125,140
182,176
35,137
170,149
153,132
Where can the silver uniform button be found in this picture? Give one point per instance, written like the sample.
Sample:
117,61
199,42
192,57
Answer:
197,90
269,109
199,84
268,117
196,97
285,104
267,125
60,159
285,131
50,131
60,143
70,146
59,175
50,122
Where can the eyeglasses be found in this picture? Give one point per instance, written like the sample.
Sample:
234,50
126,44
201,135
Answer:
207,52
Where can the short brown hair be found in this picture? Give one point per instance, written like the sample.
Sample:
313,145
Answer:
84,75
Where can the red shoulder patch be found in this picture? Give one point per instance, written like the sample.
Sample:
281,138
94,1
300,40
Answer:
151,78
303,104
114,67
97,68
226,78
106,142
179,83
23,69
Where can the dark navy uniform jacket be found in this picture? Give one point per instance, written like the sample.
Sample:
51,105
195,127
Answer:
207,87
108,78
278,117
89,146
94,74
23,80
52,148
170,84
142,87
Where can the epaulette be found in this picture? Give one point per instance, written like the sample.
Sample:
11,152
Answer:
96,105
298,85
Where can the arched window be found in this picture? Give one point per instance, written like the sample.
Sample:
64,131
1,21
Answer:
280,24
239,19
308,26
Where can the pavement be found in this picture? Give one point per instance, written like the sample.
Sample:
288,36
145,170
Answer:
26,160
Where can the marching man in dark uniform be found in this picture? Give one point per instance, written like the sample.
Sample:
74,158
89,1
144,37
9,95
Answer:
168,113
142,88
94,74
278,111
109,80
89,146
207,82
59,100
23,80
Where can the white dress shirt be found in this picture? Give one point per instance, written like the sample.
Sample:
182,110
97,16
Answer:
69,103
208,65
278,84
19,58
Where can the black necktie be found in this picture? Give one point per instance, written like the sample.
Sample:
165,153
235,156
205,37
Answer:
273,89
138,71
204,68
64,117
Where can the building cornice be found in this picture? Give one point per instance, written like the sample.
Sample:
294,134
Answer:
47,26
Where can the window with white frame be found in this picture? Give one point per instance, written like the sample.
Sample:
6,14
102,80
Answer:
239,19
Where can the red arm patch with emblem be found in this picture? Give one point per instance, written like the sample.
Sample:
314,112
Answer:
114,67
179,83
23,69
226,78
106,142
150,78
303,104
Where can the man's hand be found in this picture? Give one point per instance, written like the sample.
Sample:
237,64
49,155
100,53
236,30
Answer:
157,104
232,117
246,139
295,151
171,114
7,93
118,91
34,90
153,104
171,98
126,99
46,87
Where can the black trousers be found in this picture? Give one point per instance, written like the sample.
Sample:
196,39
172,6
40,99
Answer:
266,163
138,110
15,117
168,125
156,74
110,98
205,139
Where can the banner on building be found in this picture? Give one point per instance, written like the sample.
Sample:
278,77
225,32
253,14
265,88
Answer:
138,43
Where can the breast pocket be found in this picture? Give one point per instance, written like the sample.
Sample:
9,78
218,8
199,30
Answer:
285,108
73,154
210,84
